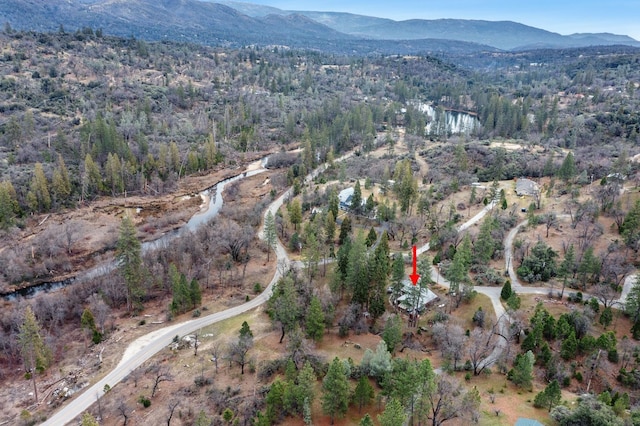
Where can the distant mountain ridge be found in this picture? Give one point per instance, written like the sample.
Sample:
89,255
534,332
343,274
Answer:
228,23
206,23
505,35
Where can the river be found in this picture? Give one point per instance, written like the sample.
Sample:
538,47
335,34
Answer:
447,122
213,194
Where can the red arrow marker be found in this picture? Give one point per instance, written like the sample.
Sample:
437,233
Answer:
414,277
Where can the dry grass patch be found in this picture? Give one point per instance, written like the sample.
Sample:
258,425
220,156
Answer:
465,311
510,402
554,306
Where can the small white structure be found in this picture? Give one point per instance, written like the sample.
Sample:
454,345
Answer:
345,196
616,177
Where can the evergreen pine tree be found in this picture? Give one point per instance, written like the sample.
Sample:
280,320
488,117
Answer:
334,202
393,414
632,307
305,390
356,199
364,393
397,275
366,420
35,355
60,182
335,386
569,346
195,293
315,320
522,372
549,397
358,273
245,331
345,230
606,317
568,169
370,204
8,205
506,292
371,237
270,234
392,333
330,227
38,196
295,213
129,261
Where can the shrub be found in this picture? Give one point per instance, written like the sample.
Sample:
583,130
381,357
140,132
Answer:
506,292
201,381
146,402
514,301
478,317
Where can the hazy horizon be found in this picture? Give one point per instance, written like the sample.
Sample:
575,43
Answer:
564,17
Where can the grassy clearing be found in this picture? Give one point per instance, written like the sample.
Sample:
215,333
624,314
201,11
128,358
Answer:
554,306
466,311
510,401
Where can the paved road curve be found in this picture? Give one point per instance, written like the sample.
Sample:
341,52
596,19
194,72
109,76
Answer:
150,344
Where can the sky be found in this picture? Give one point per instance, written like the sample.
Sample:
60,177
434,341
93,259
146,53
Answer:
560,16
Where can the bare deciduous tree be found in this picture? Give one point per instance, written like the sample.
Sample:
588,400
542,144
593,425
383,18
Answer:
135,374
159,374
298,347
480,346
100,310
550,220
124,410
239,352
216,352
70,234
172,405
605,294
196,343
450,339
449,401
234,238
615,268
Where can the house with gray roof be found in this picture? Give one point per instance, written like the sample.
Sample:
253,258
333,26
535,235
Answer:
526,187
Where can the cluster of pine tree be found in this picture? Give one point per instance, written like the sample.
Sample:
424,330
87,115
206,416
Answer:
186,295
